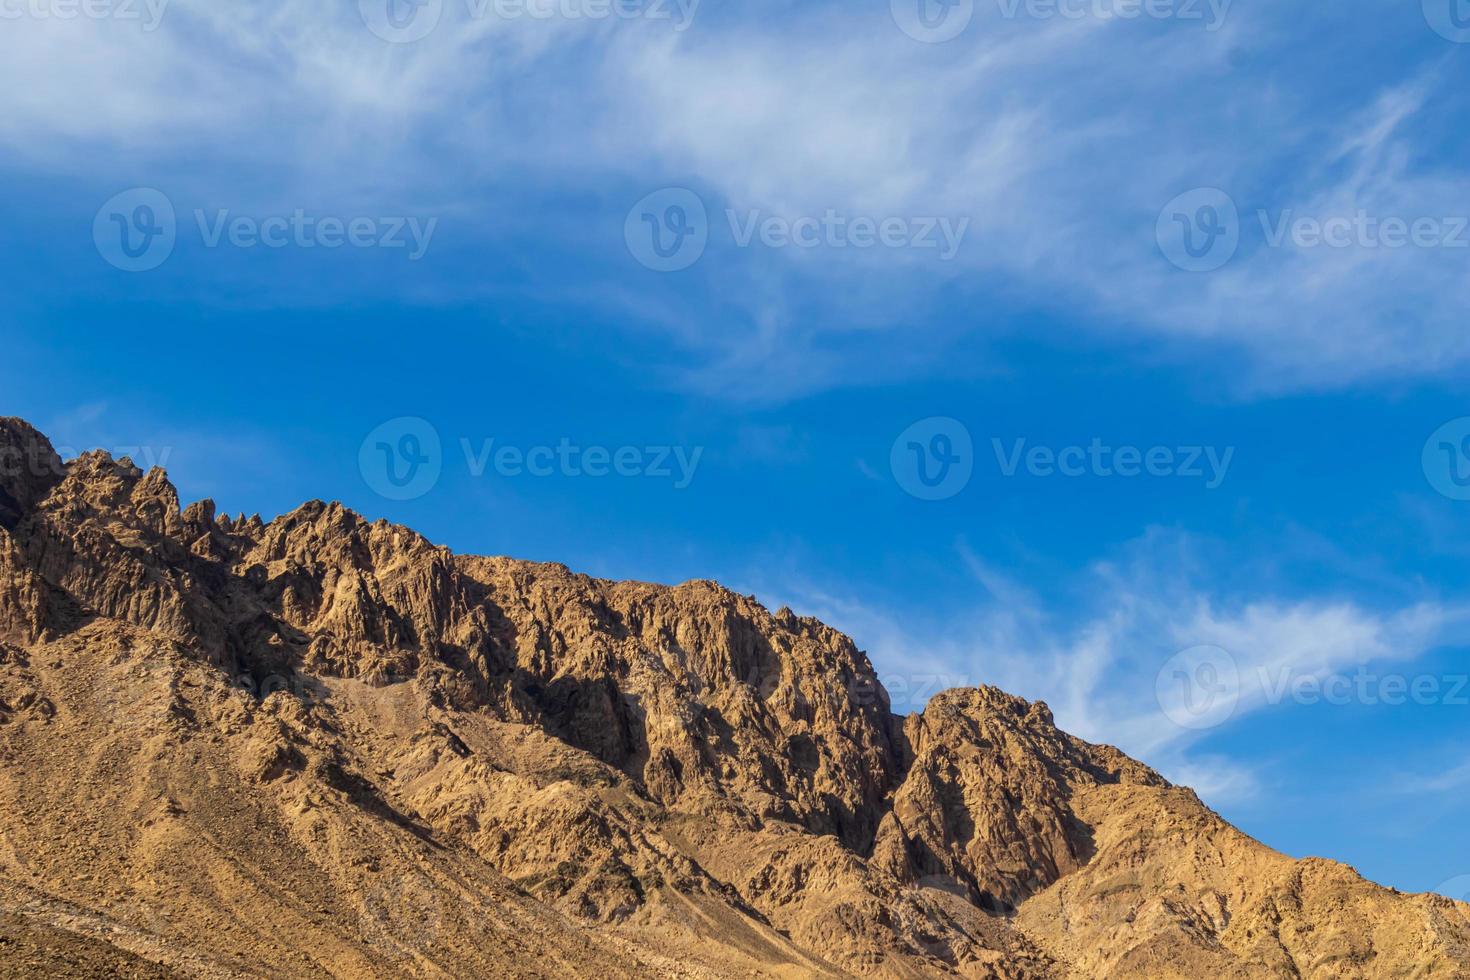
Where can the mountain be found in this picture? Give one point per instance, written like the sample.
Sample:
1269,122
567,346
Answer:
323,746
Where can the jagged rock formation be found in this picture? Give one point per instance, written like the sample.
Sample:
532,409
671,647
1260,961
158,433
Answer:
323,746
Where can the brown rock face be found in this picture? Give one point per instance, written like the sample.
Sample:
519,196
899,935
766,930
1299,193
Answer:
986,807
29,468
323,746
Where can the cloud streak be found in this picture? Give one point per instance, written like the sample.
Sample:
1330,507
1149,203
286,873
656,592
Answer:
1095,650
1059,140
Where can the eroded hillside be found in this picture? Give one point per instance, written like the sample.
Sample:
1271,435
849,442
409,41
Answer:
321,745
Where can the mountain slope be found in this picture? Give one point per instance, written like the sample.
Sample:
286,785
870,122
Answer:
326,746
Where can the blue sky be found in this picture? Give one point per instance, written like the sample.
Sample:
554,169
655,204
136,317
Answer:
1221,247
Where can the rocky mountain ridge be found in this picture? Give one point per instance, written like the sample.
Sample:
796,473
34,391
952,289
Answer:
322,745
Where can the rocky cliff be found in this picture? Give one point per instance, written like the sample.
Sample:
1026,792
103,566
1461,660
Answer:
325,746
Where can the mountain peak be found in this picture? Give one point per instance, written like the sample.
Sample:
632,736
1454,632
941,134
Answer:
322,745
29,468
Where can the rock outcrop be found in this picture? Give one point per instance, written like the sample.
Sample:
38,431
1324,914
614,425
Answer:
325,746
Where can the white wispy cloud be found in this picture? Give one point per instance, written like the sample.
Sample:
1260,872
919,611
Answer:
1096,648
1450,780
1058,140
